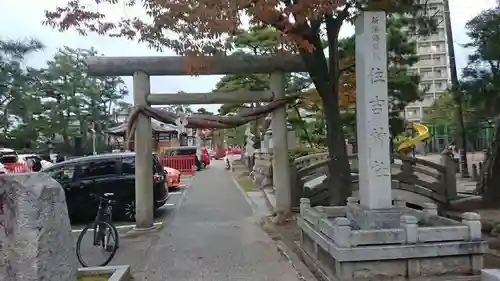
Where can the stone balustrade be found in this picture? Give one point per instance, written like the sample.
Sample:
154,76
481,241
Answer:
308,160
36,243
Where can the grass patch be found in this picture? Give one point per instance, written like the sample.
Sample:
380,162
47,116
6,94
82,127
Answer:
246,183
100,277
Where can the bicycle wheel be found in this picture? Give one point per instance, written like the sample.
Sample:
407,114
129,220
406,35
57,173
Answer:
103,242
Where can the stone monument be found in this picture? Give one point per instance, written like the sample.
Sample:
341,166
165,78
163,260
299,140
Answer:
249,150
268,141
37,243
181,123
376,237
198,142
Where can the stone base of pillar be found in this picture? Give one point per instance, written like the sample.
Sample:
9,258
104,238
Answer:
280,218
135,232
418,245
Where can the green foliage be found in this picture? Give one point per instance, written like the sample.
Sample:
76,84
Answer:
481,78
403,86
480,84
257,40
55,104
442,110
203,111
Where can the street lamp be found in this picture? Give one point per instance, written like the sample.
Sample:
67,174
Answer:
291,136
94,137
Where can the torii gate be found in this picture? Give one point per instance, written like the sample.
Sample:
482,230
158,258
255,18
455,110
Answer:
141,68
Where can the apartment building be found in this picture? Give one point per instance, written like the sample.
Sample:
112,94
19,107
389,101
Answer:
433,66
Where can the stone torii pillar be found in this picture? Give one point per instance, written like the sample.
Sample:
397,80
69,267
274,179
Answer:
143,147
281,162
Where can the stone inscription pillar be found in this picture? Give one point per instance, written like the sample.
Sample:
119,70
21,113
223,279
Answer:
372,111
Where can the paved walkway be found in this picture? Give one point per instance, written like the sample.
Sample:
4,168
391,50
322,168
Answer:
212,235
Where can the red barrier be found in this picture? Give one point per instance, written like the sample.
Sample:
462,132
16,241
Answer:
186,164
17,168
233,151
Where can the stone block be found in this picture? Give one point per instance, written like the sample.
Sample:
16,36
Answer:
375,219
407,250
473,221
38,243
410,226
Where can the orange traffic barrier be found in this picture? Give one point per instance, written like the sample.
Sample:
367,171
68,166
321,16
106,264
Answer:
186,164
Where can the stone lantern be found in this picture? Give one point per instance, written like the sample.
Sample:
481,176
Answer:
268,141
268,138
291,137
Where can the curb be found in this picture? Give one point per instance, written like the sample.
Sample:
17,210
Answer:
245,194
303,272
301,267
270,205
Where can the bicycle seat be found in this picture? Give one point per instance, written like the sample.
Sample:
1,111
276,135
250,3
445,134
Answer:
108,194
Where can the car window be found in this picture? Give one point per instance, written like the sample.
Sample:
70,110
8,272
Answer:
98,169
64,173
128,166
7,153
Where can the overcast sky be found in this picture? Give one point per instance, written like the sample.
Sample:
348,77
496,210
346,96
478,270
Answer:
22,18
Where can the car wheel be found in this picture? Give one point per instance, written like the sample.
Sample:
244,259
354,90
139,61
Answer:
129,210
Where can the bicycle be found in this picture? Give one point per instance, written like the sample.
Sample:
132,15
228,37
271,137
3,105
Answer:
103,231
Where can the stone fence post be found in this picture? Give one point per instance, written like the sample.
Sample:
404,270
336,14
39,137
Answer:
449,179
410,226
473,221
37,243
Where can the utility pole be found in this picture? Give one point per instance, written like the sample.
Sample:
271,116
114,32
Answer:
457,95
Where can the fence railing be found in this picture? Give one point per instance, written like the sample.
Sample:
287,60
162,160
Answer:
186,164
426,178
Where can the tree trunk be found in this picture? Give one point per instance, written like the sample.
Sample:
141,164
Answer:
339,180
490,177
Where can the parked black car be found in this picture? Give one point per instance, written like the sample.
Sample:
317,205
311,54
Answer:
105,173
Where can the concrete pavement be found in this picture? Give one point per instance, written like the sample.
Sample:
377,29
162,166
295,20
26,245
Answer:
212,234
160,214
